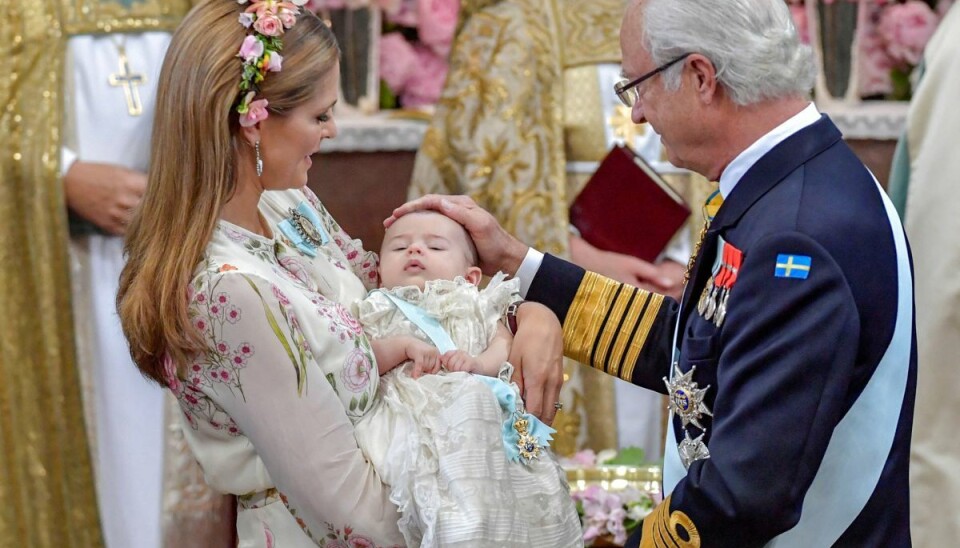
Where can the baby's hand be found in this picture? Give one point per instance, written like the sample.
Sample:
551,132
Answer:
458,360
425,357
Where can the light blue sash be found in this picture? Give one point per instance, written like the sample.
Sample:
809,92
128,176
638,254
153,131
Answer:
861,441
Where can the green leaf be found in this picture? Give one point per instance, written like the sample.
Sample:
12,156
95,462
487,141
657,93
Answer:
299,368
629,456
333,382
353,404
363,401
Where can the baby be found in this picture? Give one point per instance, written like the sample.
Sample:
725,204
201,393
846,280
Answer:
467,466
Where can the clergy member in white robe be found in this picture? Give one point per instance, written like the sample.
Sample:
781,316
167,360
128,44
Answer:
108,118
932,222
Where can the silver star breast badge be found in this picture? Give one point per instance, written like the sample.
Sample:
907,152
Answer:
692,450
685,398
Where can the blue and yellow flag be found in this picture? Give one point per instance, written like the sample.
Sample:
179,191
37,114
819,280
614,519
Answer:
792,266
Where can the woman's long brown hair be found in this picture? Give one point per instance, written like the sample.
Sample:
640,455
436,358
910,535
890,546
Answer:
193,168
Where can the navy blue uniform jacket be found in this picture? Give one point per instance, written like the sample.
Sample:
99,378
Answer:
787,363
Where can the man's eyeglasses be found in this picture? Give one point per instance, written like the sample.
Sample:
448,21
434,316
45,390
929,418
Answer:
628,91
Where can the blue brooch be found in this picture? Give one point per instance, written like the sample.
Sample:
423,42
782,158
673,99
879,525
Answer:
304,229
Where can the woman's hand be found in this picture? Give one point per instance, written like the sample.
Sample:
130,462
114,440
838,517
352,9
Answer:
537,355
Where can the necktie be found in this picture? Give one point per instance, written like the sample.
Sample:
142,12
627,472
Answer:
710,207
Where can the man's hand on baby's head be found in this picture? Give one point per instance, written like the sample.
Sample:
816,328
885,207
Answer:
425,358
458,360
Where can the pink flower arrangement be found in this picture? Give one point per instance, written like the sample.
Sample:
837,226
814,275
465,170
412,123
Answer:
904,31
892,39
610,515
414,50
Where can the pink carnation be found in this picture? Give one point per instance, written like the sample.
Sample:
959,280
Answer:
251,49
398,61
274,62
425,86
256,112
269,25
905,30
438,20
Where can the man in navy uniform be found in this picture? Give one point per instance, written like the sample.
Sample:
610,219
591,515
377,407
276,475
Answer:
790,362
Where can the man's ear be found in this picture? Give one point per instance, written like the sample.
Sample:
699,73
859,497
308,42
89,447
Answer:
473,275
705,77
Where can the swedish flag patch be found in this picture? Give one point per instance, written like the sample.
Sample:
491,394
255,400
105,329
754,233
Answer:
792,266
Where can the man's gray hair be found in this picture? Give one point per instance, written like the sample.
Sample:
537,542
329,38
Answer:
753,44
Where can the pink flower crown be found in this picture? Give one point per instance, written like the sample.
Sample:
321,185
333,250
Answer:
260,51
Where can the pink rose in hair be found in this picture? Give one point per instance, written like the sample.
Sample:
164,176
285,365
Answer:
427,82
251,49
905,30
398,61
274,62
287,17
438,19
256,112
269,25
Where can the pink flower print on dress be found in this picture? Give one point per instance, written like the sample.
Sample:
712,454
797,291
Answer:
267,535
233,313
233,235
201,324
356,371
170,376
336,544
280,296
359,541
346,319
297,269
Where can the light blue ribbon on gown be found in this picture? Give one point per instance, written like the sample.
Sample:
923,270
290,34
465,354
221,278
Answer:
290,231
505,392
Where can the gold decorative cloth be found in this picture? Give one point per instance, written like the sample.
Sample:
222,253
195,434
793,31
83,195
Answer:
46,480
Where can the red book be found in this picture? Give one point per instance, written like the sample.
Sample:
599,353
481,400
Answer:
627,207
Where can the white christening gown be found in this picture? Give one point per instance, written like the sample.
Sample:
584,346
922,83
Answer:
436,441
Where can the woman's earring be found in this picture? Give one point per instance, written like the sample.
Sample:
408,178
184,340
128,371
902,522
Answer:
256,147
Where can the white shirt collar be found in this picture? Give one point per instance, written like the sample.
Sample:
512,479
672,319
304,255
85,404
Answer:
745,160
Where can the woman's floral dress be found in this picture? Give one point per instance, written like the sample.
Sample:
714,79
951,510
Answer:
436,440
270,403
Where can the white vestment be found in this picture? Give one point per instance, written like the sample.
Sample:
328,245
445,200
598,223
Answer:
125,412
932,223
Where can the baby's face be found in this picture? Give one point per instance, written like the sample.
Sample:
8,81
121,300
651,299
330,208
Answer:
425,246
